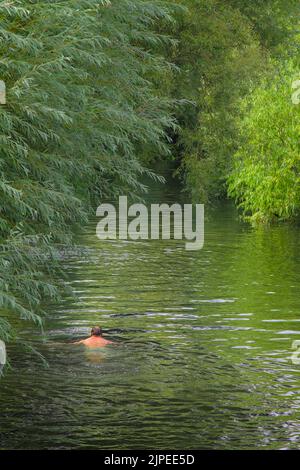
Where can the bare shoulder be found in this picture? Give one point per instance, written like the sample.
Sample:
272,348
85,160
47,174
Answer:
79,342
107,341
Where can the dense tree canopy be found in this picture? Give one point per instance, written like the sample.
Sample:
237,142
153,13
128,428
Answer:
265,179
219,56
97,90
224,51
81,104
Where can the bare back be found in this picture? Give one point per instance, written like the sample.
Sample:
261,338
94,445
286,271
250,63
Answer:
94,342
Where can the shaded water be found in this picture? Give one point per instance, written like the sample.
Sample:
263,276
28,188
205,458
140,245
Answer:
203,359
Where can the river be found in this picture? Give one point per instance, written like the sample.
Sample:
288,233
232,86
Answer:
204,344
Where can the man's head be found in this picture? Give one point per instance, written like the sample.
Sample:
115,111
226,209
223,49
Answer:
96,331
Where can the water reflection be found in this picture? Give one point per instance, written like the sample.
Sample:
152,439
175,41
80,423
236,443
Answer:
204,346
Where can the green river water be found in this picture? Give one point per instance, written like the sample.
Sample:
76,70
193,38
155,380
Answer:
203,359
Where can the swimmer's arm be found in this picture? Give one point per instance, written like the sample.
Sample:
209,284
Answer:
109,342
79,342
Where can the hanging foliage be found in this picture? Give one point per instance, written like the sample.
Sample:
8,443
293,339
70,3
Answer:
81,104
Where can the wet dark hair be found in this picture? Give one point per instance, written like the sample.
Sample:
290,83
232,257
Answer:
96,331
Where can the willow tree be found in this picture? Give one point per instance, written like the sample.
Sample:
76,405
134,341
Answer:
223,51
81,105
265,179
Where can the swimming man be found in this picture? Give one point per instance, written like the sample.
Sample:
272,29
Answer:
96,339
